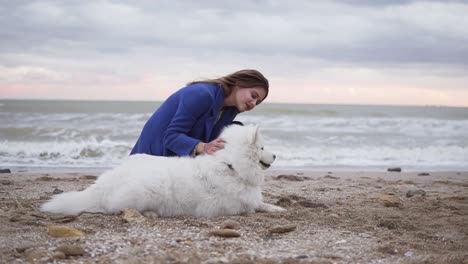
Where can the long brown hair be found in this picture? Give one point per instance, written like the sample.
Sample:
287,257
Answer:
243,79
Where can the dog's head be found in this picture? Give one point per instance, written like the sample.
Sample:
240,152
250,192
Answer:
245,145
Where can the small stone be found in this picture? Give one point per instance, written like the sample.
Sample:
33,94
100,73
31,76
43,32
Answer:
24,247
390,200
57,191
412,193
394,169
35,255
71,250
331,256
64,231
423,174
282,229
388,250
230,224
331,177
224,233
409,253
59,255
289,178
6,182
5,171
131,215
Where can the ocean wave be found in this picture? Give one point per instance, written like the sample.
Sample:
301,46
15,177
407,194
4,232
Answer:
101,134
289,154
84,153
367,126
422,157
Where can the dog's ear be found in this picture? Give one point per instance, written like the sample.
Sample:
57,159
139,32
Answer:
254,135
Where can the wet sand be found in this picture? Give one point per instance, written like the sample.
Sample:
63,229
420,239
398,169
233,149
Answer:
332,217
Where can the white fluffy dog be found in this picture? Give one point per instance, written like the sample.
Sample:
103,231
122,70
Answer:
226,183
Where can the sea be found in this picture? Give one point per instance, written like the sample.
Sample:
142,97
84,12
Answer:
75,135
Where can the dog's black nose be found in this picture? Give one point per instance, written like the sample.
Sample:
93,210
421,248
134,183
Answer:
274,156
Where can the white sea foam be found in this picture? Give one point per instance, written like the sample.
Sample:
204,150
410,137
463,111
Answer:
90,153
454,157
88,134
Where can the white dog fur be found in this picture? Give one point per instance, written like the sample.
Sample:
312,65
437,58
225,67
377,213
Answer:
226,183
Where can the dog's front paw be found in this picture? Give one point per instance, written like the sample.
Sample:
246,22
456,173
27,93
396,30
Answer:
275,208
269,208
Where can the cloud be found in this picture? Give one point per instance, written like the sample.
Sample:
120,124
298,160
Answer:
412,31
86,42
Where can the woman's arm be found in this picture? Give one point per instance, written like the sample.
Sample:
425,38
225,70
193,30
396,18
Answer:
193,104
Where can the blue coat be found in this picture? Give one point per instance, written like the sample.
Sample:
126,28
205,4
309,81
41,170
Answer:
187,117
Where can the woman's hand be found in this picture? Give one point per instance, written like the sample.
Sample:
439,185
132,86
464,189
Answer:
211,147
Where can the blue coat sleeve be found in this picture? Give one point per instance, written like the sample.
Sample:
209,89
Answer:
193,104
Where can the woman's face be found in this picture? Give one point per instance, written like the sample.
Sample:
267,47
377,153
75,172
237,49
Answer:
248,98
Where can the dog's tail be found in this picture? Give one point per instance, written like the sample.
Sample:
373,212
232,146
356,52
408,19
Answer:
73,203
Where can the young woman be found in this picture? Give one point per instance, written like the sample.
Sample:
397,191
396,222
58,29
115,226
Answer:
190,120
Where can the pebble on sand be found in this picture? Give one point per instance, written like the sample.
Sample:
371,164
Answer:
35,255
59,255
131,215
282,229
6,182
289,178
57,191
390,200
64,231
224,233
25,246
71,250
230,224
412,193
394,169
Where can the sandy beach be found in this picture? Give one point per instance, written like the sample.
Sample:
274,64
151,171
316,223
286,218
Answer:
332,217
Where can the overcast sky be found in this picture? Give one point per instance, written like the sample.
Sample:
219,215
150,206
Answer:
348,51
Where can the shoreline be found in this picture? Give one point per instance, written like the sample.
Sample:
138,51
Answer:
337,217
273,169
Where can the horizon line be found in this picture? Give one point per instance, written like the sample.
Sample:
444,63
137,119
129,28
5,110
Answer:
285,103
